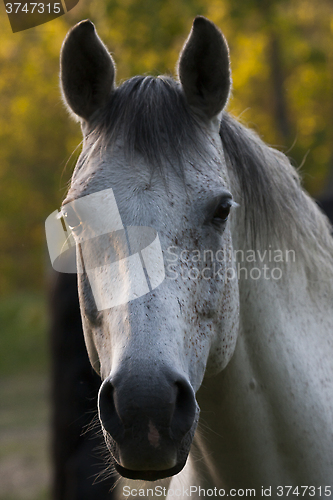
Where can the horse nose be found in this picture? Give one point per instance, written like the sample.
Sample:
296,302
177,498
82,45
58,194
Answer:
147,417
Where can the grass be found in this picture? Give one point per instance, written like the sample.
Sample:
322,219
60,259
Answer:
24,395
24,438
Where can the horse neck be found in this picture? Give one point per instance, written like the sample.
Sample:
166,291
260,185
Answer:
286,315
272,421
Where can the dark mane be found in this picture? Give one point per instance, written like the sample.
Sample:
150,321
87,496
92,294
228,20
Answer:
275,209
154,119
248,158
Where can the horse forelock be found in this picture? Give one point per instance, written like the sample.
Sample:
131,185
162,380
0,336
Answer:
275,209
152,118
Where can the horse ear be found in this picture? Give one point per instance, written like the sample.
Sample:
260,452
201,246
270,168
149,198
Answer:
204,68
87,70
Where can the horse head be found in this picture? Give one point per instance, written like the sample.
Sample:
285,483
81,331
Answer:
154,144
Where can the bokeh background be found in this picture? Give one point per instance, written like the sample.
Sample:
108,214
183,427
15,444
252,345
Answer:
282,64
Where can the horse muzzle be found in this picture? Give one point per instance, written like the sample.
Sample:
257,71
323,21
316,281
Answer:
148,422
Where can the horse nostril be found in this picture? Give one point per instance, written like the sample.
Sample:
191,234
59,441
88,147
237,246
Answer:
107,411
185,408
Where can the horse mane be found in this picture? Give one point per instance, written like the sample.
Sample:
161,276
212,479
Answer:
276,210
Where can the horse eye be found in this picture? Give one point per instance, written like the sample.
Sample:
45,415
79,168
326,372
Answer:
222,212
71,218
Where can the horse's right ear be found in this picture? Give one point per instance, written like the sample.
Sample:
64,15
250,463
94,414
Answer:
87,70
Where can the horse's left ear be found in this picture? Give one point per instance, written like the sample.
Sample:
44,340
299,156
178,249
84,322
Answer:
204,68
